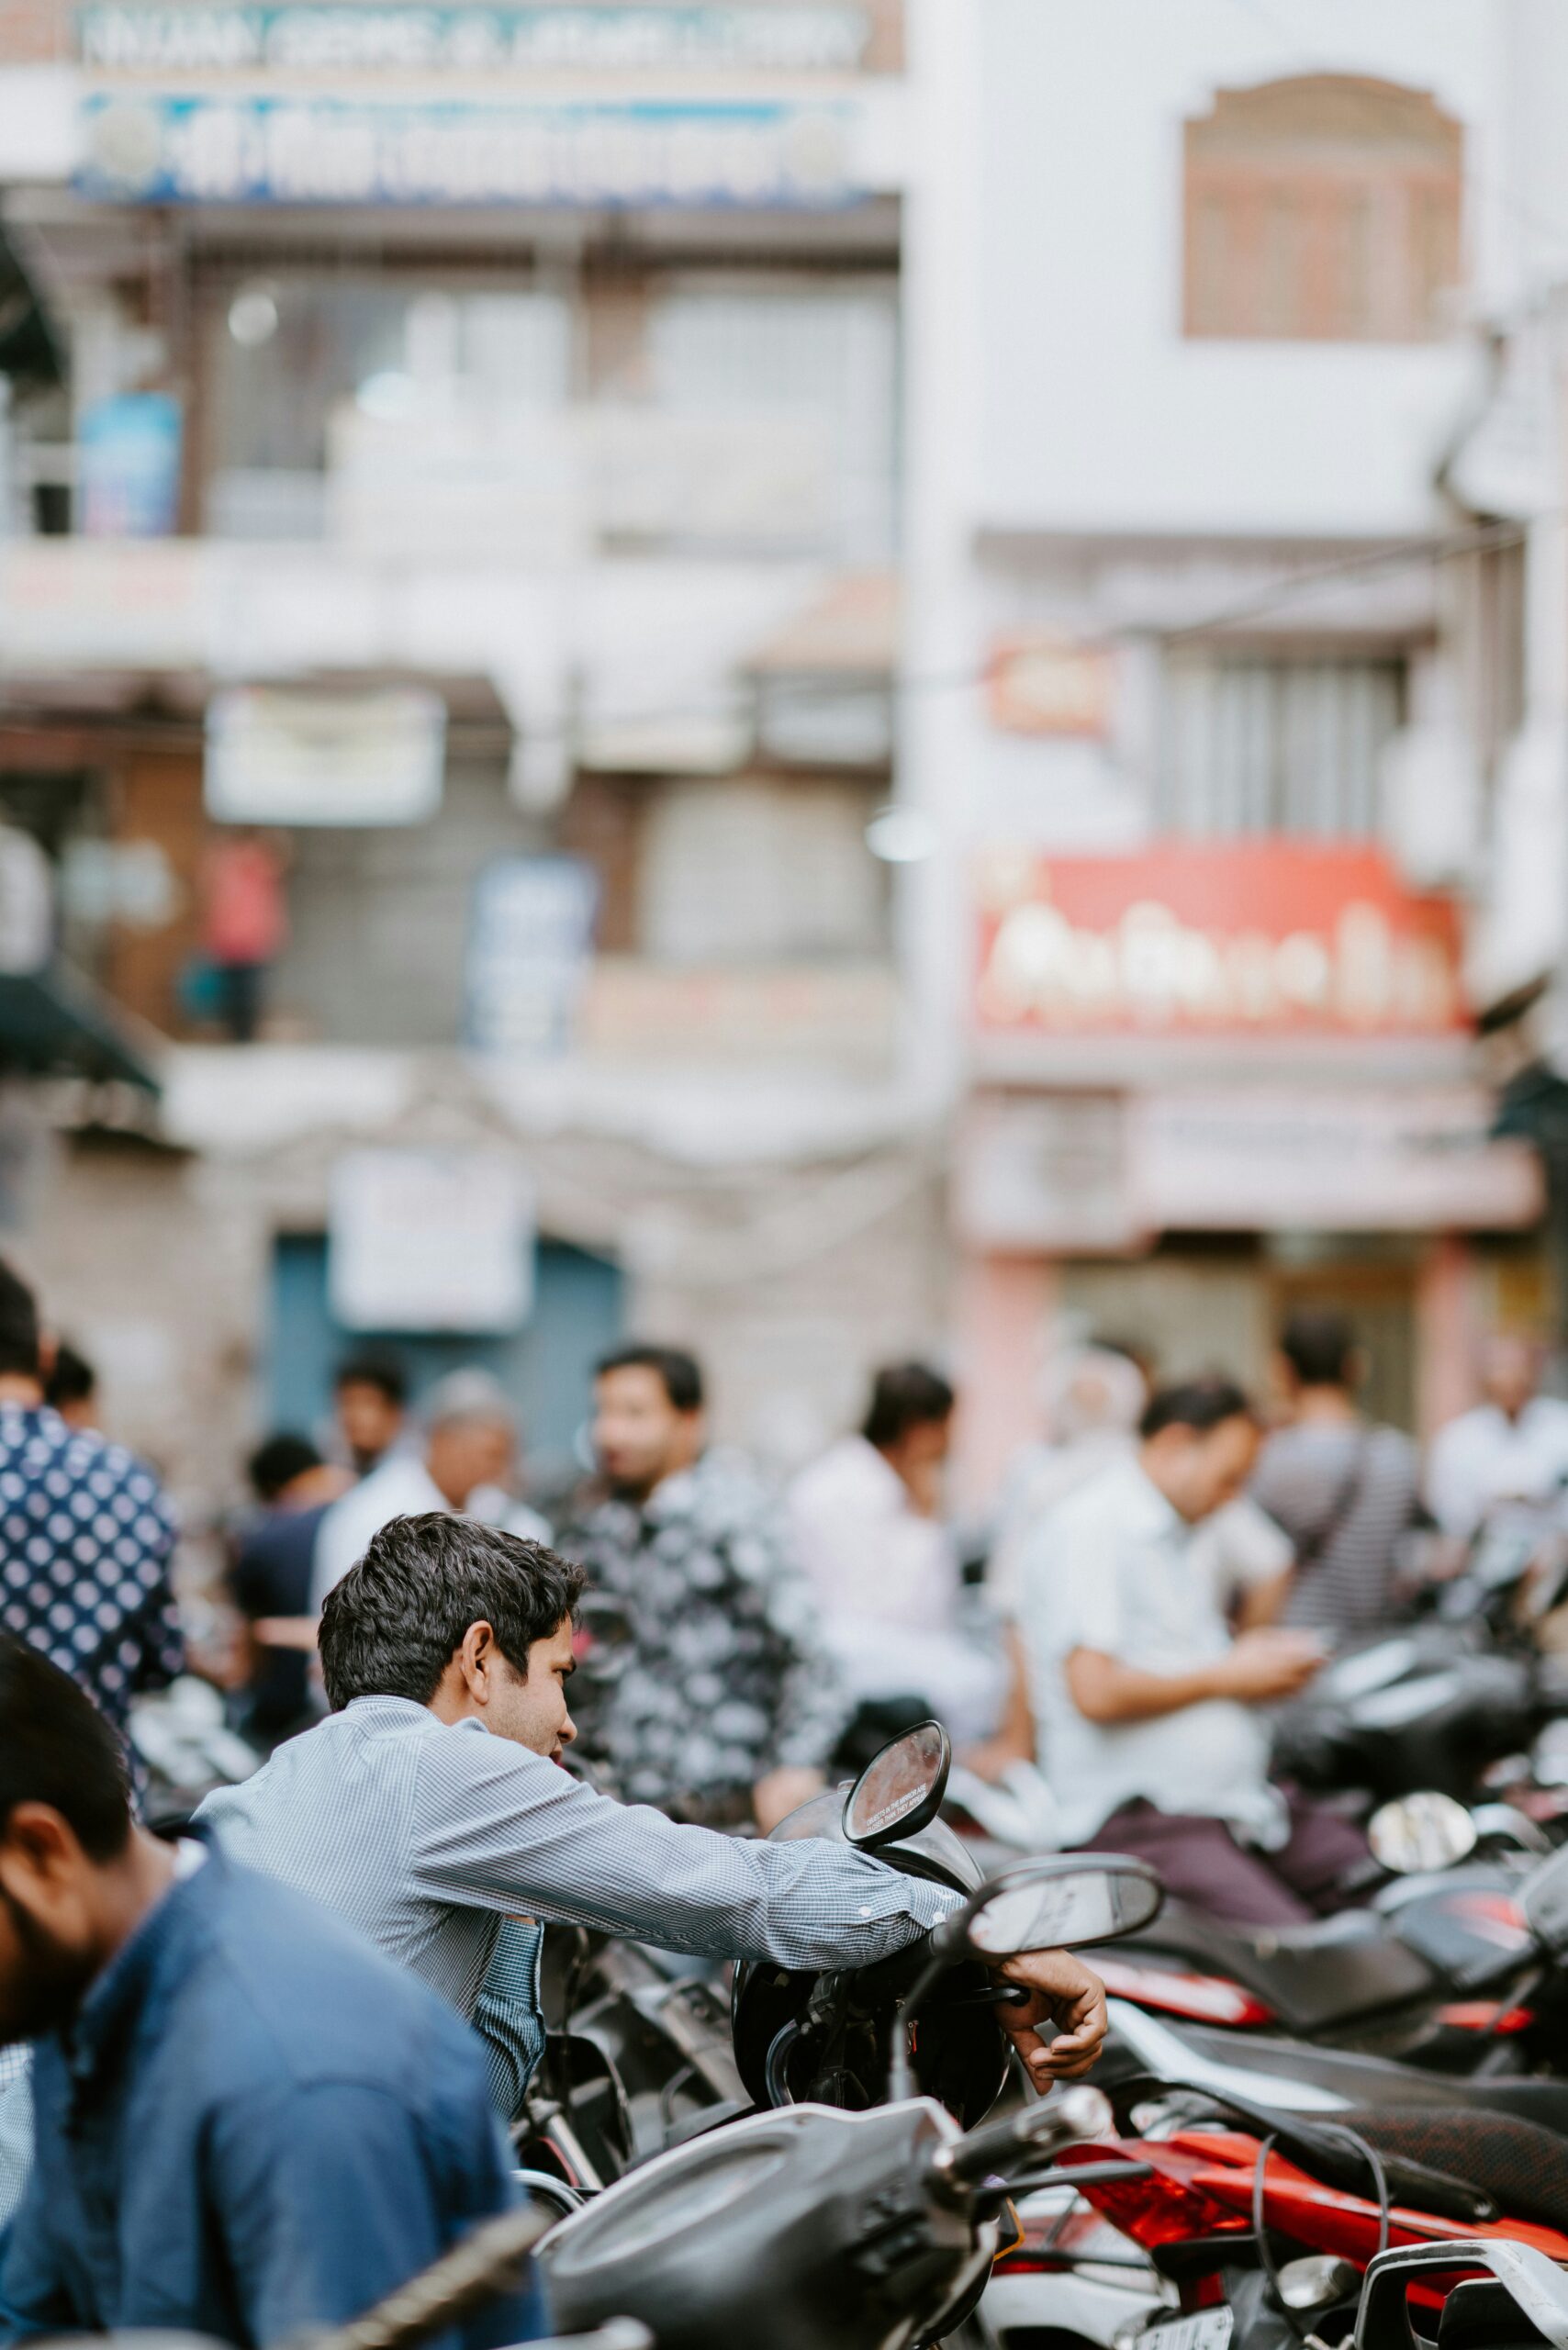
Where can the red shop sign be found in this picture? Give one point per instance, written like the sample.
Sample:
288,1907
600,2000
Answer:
1255,937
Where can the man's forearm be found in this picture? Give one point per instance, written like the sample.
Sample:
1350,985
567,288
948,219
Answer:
1263,1602
1106,1691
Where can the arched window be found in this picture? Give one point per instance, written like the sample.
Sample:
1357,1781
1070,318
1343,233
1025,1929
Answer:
1323,208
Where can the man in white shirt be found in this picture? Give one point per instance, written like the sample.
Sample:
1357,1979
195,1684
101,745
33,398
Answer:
1146,1701
866,1526
466,1464
1512,1447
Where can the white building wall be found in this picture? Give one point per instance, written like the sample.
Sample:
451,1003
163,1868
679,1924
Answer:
1096,414
1076,462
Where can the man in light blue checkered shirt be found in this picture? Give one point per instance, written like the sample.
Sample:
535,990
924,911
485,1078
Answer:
16,2128
400,1812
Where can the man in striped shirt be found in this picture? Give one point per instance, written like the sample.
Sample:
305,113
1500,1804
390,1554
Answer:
400,1811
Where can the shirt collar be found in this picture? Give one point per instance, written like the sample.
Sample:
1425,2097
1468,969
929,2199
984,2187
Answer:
407,1710
141,1978
872,1471
1160,1516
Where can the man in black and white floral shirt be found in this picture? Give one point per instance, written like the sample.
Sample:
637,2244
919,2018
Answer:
86,1534
726,1706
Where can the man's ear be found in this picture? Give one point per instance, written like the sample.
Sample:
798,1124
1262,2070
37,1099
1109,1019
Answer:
474,1660
37,1843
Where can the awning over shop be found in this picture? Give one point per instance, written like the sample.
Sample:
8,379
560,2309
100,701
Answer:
56,1023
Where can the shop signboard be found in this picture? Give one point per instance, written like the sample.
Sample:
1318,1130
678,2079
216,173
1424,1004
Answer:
305,37
1275,1159
82,603
275,756
1046,1173
302,149
430,1240
1270,939
1096,1173
1042,682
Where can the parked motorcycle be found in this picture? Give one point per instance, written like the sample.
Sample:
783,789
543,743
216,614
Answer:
1435,1704
1275,2173
813,2223
1410,1975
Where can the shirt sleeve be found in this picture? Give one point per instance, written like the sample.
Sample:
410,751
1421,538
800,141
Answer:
1250,1545
1072,1594
495,1827
507,2018
331,2196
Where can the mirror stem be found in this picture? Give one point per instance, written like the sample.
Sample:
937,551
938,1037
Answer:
900,2072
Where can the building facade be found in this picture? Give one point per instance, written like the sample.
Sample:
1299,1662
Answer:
1237,671
906,666
472,478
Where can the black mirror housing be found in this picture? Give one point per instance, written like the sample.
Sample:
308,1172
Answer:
900,1790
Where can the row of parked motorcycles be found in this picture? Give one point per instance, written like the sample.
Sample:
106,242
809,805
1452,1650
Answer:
1354,2132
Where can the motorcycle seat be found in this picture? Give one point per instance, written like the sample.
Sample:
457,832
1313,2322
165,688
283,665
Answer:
1520,2165
1369,2084
1310,1976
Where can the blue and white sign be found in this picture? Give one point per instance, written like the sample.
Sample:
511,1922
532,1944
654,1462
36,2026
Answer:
128,451
529,946
305,37
162,150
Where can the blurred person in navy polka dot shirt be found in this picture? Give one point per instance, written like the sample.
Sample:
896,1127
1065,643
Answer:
85,1535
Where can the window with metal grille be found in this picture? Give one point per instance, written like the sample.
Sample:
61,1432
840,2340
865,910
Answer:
1256,744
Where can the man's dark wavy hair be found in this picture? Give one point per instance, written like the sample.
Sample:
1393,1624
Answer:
393,1625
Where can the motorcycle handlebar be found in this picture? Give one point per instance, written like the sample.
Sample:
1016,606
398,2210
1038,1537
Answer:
1039,2130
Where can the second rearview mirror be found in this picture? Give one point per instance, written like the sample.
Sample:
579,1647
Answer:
1065,1903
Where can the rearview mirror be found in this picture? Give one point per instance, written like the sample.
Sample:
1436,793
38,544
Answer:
1062,1904
900,1790
1420,1832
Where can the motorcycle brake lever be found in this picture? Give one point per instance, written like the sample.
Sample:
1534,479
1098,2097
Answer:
1002,1995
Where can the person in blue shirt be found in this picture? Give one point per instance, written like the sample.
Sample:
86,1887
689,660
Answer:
247,2122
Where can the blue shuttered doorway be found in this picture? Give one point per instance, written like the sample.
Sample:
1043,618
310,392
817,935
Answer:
544,1367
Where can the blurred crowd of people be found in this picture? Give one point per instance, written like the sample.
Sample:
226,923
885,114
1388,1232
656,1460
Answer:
1164,1566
